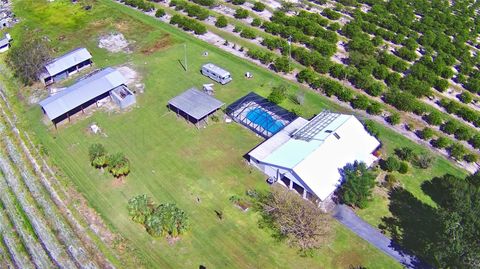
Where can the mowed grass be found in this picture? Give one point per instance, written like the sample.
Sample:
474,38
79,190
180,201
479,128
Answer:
171,160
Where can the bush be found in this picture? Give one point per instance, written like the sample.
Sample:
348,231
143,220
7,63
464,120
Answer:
221,22
371,128
160,13
405,154
98,155
475,141
256,22
375,108
403,168
139,208
390,181
357,184
238,2
426,133
278,94
423,161
241,13
167,219
471,158
258,6
441,142
434,118
394,118
390,164
465,97
282,64
248,33
457,151
118,165
360,102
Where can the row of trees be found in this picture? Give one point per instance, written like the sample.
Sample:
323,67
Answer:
188,24
162,220
466,113
192,10
117,164
140,4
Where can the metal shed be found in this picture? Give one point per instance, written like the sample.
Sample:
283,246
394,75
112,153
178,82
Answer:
194,105
66,65
82,94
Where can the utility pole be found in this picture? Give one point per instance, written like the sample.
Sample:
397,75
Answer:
185,50
289,51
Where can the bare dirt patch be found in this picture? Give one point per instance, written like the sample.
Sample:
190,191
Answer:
118,182
114,42
158,45
134,81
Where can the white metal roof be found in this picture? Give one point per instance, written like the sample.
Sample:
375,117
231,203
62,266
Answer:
67,61
81,92
317,162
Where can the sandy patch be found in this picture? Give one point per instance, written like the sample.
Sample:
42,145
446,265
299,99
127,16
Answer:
114,42
134,81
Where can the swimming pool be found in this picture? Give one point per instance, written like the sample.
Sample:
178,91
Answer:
262,118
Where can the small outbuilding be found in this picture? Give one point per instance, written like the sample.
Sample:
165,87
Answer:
66,65
86,92
195,106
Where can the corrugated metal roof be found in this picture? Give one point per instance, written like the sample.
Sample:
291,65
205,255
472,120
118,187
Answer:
217,70
195,103
82,92
67,60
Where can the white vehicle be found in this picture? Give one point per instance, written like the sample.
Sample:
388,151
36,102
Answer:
216,73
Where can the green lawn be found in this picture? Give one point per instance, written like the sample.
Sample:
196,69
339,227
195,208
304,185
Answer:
173,161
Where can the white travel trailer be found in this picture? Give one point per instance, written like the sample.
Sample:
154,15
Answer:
216,73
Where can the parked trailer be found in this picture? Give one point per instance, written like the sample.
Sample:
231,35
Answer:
216,73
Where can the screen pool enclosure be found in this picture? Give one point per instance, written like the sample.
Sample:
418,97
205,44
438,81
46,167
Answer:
260,115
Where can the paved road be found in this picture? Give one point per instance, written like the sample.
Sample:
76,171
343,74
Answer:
347,217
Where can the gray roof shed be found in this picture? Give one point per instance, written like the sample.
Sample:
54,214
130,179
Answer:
67,61
81,92
195,103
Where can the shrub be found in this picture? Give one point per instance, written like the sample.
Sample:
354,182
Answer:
394,118
256,22
248,33
118,165
471,158
403,168
221,22
278,94
357,184
465,97
405,154
139,208
371,128
390,181
423,161
475,141
457,151
434,118
375,108
238,2
167,219
241,13
441,142
282,64
426,133
450,127
390,164
160,13
360,102
98,155
258,6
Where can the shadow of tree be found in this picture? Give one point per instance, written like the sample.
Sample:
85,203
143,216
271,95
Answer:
413,225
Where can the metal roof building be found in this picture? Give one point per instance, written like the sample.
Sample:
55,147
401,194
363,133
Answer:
307,155
84,91
194,105
65,65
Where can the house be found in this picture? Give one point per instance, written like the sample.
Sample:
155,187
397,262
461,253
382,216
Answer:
66,65
105,83
194,105
306,155
5,43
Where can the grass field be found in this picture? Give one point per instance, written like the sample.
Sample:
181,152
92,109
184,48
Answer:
173,161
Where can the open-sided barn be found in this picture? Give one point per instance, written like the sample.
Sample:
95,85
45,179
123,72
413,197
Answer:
66,65
87,91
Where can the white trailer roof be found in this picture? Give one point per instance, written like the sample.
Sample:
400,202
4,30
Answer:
216,69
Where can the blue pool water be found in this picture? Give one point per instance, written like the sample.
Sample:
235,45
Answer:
262,118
